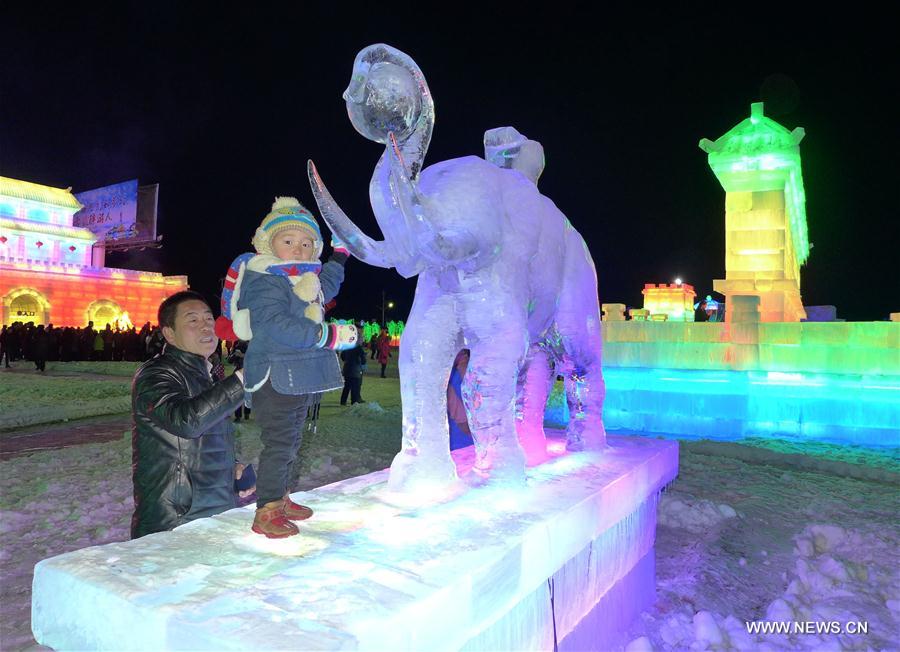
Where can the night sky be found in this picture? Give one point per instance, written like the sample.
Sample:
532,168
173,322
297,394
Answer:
222,108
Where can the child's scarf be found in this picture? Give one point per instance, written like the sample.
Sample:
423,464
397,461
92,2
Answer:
303,276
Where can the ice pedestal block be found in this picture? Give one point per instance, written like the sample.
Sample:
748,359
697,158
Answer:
475,573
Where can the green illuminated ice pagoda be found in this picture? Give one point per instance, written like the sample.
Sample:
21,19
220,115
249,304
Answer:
758,164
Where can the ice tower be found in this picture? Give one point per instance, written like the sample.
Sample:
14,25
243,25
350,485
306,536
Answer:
758,164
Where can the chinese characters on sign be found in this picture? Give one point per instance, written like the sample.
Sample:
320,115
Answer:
110,212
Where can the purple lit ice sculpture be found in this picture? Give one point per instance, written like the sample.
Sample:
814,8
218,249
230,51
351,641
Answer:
501,273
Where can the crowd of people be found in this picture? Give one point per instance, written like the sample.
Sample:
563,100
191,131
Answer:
40,344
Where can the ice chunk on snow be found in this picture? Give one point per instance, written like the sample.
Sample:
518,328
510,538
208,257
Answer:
692,515
780,610
735,631
672,632
727,511
641,644
706,629
826,537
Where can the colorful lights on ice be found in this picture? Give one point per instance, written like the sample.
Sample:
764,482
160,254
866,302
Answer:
829,381
733,405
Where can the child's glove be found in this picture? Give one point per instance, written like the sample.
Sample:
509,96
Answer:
338,337
339,245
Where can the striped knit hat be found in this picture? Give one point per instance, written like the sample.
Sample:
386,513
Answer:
286,213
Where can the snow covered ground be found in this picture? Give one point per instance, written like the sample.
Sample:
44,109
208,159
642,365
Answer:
744,534
741,541
60,500
68,390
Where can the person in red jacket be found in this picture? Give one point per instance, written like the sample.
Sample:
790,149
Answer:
384,350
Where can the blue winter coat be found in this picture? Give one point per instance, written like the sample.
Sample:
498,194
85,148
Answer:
284,343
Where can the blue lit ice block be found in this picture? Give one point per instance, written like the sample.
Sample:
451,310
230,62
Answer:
730,405
475,572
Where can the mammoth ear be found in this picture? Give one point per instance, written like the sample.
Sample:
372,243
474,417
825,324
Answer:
530,160
439,249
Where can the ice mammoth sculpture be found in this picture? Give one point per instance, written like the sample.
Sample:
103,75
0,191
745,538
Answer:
501,272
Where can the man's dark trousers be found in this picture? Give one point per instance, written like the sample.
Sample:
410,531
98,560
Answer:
281,418
353,387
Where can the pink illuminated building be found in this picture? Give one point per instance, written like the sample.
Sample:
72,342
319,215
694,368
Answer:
53,272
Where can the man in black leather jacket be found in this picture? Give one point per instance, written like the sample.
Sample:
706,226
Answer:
183,458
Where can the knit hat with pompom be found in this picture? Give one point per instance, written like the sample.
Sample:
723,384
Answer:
286,213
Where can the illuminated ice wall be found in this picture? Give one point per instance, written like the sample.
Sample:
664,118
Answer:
763,371
831,381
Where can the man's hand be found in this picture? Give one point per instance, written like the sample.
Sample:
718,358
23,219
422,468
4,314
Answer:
238,472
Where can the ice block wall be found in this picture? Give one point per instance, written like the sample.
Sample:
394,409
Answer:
829,381
731,405
870,348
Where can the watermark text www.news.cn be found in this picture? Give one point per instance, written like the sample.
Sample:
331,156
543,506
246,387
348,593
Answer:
807,627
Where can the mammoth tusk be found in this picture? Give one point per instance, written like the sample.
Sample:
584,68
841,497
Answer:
377,253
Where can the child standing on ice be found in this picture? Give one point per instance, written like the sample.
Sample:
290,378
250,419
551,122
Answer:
291,355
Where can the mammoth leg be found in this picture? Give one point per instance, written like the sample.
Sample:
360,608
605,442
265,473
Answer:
535,380
585,390
428,347
489,393
578,327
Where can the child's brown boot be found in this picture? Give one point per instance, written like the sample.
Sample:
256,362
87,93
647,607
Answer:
271,522
295,512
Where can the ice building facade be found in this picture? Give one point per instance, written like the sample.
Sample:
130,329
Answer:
53,272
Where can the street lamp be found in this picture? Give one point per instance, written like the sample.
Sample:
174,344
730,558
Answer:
385,304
